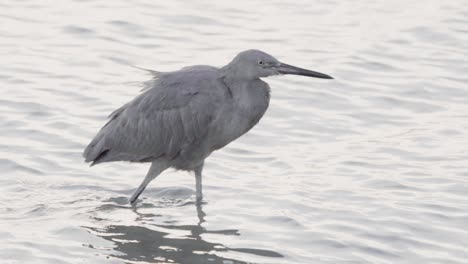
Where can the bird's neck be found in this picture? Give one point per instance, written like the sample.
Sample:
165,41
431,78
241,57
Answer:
234,73
248,92
242,85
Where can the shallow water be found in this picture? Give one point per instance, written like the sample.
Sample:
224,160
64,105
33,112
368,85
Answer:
368,168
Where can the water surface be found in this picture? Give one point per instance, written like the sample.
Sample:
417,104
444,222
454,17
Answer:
368,168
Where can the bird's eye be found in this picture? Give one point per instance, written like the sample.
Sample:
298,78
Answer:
260,62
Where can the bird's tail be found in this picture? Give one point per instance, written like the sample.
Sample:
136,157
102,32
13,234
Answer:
95,151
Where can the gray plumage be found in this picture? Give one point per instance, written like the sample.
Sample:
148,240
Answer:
181,117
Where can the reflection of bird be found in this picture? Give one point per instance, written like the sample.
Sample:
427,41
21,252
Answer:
185,115
168,242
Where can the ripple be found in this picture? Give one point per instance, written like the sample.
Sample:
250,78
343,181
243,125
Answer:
82,31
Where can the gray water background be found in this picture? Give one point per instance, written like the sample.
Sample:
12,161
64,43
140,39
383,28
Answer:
368,168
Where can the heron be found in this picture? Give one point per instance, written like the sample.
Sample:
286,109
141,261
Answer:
182,116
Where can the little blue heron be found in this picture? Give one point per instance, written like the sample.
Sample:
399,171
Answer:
183,116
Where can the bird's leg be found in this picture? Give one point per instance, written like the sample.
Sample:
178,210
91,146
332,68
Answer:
198,182
155,169
201,215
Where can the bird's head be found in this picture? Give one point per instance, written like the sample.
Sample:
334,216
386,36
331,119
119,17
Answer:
252,64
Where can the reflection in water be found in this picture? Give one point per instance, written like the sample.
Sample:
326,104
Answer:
145,243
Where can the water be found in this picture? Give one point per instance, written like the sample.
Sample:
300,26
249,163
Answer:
367,168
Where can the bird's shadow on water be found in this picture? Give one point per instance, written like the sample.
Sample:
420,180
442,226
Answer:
158,243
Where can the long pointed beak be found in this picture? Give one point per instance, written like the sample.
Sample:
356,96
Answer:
284,68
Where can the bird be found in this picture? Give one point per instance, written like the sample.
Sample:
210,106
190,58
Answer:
182,116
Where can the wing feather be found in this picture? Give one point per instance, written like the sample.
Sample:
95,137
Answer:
162,121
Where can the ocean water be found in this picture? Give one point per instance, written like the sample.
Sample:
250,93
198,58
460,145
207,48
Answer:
370,167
